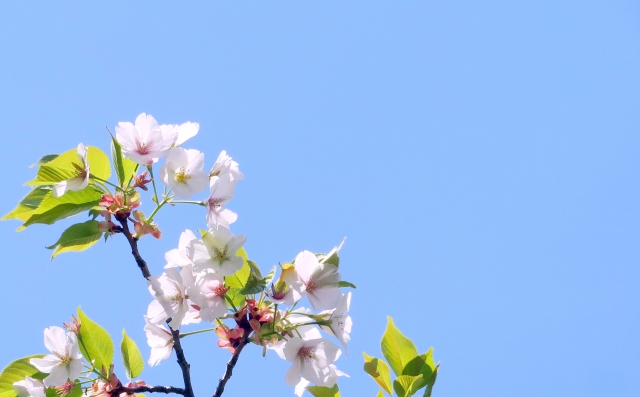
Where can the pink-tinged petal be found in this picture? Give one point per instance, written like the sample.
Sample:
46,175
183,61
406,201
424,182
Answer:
75,368
59,189
292,377
194,160
324,298
57,377
55,339
301,387
126,134
185,131
46,363
306,263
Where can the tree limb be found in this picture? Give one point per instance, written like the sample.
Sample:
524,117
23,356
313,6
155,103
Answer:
149,389
133,242
231,364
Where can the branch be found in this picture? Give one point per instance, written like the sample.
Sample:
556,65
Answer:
182,361
231,364
133,242
149,389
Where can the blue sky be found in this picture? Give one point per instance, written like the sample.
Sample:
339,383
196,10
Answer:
482,160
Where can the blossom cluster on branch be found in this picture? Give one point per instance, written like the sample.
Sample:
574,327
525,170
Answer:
208,278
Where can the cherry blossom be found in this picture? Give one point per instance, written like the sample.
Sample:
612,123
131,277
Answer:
144,142
183,255
170,290
311,359
318,281
341,323
29,387
183,172
160,340
226,165
65,363
81,178
208,294
184,131
221,191
217,251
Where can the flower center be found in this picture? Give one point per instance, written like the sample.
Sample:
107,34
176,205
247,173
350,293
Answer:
182,176
81,172
306,354
219,254
311,285
142,148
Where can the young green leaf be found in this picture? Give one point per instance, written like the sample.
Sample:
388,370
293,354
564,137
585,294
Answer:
17,371
379,371
94,343
236,297
62,167
256,283
77,237
407,385
52,209
44,160
345,284
323,391
397,348
124,167
29,203
380,394
239,279
131,357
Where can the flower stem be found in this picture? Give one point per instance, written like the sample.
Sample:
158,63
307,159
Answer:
187,202
196,332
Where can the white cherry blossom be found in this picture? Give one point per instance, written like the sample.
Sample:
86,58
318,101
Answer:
226,165
311,359
183,131
160,340
318,281
341,322
183,255
217,251
65,362
220,192
208,294
29,387
183,172
80,180
144,142
170,290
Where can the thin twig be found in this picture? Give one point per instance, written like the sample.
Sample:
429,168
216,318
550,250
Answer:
133,242
149,389
182,361
231,364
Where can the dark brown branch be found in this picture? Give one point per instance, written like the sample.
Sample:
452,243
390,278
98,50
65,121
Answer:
231,364
133,242
182,361
147,388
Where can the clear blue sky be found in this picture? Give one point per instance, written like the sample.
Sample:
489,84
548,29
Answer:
482,158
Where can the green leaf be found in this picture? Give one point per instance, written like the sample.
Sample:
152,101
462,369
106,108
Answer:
29,203
124,167
238,299
379,371
256,283
52,209
131,357
380,394
44,159
17,371
239,278
332,257
95,343
323,391
346,284
424,366
431,382
407,385
397,348
62,167
77,238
